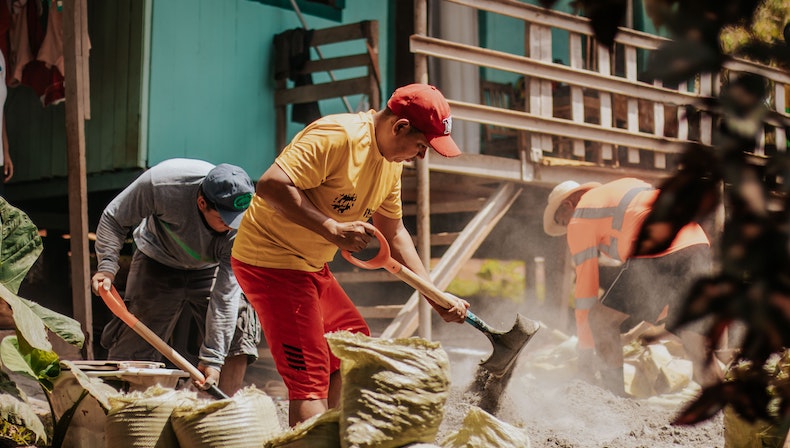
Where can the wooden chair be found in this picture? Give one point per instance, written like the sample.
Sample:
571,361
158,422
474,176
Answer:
365,56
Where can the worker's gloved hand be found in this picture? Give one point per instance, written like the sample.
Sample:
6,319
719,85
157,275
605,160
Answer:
211,374
587,364
455,314
101,280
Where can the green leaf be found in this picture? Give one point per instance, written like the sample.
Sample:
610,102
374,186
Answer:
20,245
41,365
28,324
32,321
18,420
65,327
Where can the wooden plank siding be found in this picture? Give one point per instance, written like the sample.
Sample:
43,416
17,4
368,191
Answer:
37,134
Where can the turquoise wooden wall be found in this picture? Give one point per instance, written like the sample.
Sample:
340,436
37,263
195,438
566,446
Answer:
211,86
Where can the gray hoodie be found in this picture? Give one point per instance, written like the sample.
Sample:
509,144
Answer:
161,207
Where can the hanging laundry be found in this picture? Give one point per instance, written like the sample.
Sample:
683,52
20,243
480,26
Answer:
35,41
5,26
19,38
51,51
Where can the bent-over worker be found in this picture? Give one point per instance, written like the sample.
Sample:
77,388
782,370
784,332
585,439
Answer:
183,214
605,220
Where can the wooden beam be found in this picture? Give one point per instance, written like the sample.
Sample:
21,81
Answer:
456,255
324,36
379,311
422,310
75,53
547,173
337,63
548,70
561,127
315,92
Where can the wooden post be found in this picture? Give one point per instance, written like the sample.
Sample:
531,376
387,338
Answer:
75,49
577,94
423,176
371,32
540,280
605,113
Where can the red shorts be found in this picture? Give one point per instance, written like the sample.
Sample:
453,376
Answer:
296,309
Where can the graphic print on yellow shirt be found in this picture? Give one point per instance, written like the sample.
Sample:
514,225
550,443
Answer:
335,161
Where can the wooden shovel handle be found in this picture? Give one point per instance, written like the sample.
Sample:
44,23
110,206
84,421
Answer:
116,305
383,259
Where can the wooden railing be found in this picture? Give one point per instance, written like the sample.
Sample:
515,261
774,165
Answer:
590,120
595,111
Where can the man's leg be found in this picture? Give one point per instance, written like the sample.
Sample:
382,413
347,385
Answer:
152,298
233,371
296,309
288,308
605,325
243,348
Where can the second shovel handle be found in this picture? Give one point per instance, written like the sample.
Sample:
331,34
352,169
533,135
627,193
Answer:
113,301
168,351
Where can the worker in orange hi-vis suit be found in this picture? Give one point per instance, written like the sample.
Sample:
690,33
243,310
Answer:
604,220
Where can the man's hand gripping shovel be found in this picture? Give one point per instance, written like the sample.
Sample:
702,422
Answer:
116,305
507,345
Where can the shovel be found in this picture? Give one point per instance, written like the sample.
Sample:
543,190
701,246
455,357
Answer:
507,345
116,305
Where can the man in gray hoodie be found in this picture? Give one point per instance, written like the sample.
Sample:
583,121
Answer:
183,214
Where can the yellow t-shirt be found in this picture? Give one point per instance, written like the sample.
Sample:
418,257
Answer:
336,162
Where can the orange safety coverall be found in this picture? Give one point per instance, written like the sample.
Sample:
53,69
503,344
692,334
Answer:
606,221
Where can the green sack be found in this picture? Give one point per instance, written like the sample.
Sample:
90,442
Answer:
142,419
483,429
394,391
246,420
321,431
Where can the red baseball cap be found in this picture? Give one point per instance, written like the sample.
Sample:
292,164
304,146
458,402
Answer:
427,110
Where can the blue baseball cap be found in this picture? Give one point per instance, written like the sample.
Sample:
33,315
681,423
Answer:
230,189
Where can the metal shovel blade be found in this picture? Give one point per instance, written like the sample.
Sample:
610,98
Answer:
508,345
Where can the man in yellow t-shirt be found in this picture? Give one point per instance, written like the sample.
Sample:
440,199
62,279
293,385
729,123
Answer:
335,175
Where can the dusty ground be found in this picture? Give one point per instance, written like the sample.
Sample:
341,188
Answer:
560,411
544,397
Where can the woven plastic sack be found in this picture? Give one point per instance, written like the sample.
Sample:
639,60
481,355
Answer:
142,419
483,429
246,420
394,391
321,431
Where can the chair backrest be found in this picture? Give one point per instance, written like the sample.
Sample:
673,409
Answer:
367,32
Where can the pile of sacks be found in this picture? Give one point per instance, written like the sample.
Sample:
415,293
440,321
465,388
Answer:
660,367
165,418
650,369
394,393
